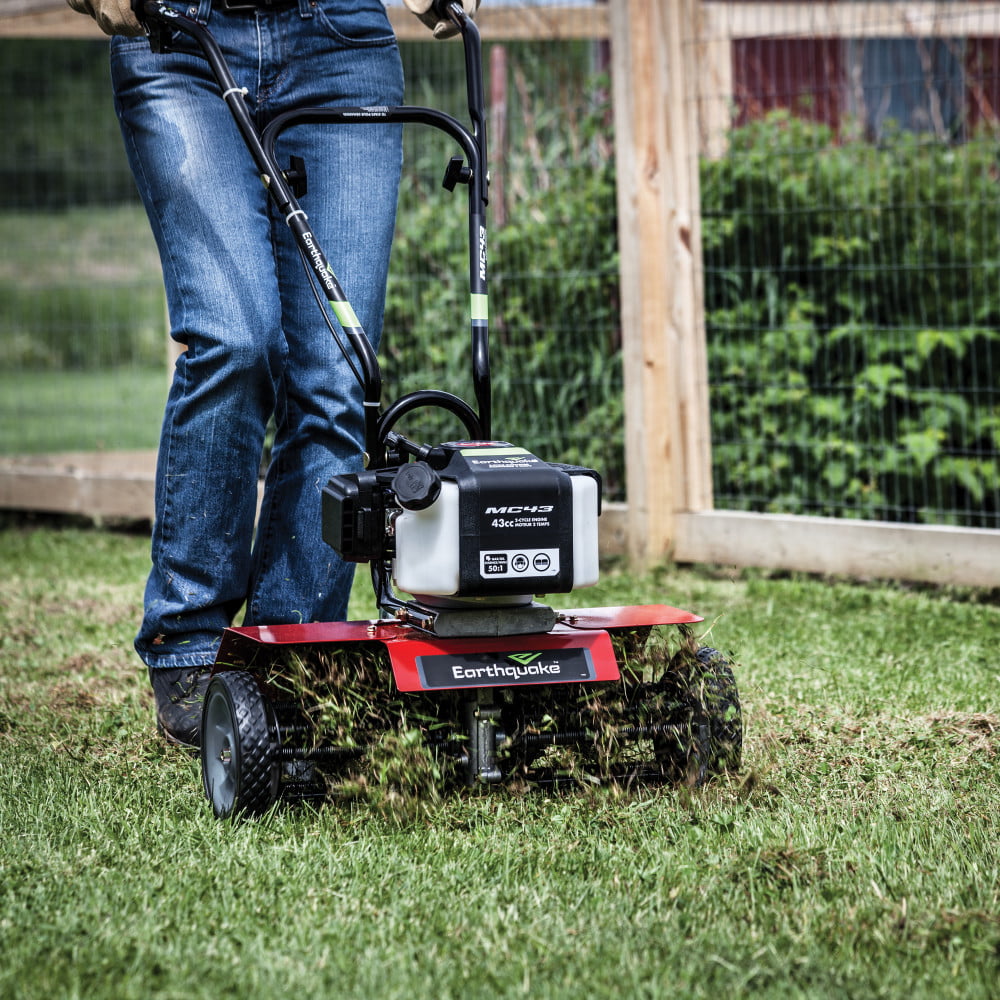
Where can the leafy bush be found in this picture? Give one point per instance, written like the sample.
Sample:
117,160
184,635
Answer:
852,309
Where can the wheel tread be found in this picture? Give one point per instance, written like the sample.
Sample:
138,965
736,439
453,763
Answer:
253,755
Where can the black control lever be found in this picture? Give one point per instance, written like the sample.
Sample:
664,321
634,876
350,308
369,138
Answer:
456,173
156,31
296,176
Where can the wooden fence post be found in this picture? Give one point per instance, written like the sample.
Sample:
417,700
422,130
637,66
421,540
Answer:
667,443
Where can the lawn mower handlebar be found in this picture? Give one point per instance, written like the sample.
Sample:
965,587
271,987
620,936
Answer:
162,23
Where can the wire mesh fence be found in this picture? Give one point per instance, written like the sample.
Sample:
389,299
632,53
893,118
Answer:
82,346
849,173
851,232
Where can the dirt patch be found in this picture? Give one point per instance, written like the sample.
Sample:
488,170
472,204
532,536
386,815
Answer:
979,730
70,697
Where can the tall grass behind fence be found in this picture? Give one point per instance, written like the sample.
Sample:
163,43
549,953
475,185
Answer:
851,233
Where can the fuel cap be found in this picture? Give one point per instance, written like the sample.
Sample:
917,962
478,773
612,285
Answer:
416,486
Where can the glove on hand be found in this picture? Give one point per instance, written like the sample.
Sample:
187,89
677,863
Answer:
114,17
424,9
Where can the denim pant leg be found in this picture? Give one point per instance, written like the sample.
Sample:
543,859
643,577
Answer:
255,341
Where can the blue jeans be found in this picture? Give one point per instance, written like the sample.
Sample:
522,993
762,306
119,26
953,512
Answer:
239,300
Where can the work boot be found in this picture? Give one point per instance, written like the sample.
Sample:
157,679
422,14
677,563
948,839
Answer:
179,694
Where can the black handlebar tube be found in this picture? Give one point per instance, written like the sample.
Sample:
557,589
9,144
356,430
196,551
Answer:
431,397
472,148
479,196
473,145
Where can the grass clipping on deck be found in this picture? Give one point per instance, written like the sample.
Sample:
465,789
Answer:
403,750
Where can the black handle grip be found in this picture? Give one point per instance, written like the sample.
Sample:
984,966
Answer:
155,19
448,10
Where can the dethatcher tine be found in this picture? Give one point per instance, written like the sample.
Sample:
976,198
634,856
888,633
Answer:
471,672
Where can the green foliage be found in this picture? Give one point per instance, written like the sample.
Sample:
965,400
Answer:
852,312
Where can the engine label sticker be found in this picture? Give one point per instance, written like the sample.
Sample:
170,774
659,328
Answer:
509,565
549,666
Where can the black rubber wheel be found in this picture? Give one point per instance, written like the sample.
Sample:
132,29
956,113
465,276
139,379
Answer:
239,764
705,700
721,699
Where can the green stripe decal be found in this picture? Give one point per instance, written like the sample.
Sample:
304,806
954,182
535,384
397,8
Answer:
480,305
345,314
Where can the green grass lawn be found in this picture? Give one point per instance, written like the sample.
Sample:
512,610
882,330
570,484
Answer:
83,353
855,854
112,410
